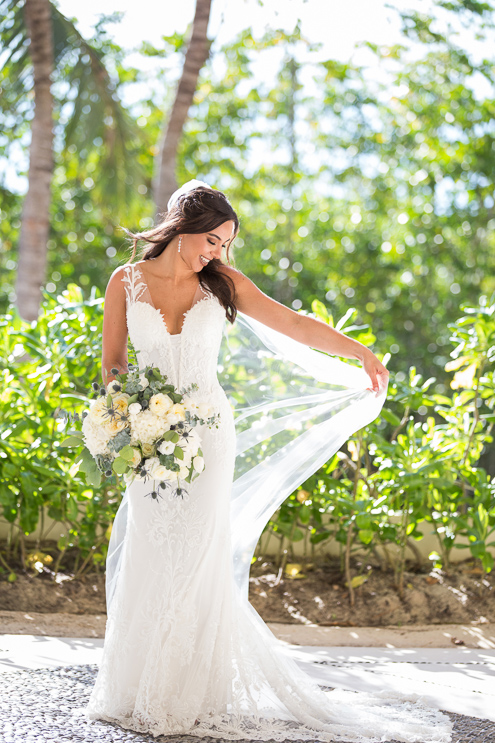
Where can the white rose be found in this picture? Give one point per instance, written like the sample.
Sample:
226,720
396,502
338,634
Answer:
203,410
183,472
143,381
190,404
199,464
134,408
166,447
151,463
193,442
136,457
187,458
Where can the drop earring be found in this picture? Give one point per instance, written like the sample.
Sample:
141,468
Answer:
180,242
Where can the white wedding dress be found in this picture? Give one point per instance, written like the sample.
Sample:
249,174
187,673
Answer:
184,650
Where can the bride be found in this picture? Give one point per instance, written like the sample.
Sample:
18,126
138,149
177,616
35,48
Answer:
184,651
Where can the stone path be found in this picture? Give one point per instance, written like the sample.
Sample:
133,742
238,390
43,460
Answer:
45,681
39,705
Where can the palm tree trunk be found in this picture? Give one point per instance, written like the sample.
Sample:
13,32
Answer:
36,209
196,55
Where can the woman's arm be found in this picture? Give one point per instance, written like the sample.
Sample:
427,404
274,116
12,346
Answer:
114,341
308,330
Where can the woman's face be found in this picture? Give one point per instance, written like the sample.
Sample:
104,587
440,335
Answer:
198,250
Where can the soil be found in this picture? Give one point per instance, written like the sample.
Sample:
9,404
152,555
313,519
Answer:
457,596
320,597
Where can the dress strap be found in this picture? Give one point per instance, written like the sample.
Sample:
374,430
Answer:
134,287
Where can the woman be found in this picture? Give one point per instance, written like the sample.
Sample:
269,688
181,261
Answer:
185,652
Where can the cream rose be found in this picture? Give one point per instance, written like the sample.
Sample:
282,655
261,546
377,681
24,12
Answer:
147,449
136,457
98,410
160,404
175,414
160,472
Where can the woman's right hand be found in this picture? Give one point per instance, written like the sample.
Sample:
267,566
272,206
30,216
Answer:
377,372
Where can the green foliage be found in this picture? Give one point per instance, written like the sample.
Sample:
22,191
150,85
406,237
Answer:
396,477
365,200
400,475
45,366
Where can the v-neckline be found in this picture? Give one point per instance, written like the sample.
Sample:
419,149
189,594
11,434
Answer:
184,314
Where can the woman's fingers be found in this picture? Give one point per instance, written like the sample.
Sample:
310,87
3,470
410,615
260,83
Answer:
378,377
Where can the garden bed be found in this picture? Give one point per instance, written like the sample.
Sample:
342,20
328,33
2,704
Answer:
458,595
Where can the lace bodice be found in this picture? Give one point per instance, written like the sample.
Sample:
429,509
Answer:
185,357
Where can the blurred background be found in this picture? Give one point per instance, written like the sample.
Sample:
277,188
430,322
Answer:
357,143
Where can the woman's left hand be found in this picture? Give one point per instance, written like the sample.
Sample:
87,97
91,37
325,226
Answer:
377,372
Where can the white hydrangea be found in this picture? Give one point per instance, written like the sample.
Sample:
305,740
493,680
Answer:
96,437
146,427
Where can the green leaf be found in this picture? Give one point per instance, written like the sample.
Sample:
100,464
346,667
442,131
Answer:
365,535
127,452
304,514
120,465
94,478
71,441
390,417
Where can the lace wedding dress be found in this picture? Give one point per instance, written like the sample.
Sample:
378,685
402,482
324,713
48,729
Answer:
184,650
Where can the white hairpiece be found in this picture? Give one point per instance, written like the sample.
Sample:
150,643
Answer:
184,189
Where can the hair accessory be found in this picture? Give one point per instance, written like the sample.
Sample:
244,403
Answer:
185,188
180,242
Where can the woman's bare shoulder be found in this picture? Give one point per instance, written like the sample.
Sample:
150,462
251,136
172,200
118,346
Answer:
234,273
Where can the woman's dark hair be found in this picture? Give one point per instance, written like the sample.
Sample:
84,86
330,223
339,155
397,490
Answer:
200,210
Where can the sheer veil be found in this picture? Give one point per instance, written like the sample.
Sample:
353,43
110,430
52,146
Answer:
294,407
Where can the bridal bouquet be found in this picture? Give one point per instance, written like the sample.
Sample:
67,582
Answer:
141,427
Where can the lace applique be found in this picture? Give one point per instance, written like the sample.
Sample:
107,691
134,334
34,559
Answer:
133,289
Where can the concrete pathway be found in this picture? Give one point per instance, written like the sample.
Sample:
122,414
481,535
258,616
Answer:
471,635
455,679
